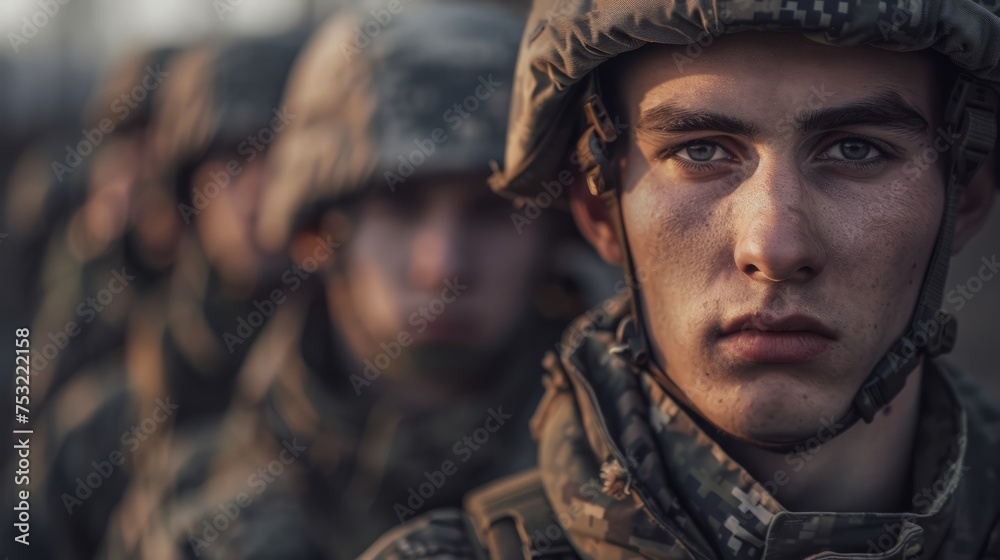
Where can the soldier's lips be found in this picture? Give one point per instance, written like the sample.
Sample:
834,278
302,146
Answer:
788,339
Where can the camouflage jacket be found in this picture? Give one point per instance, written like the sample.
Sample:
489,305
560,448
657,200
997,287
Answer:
305,466
624,472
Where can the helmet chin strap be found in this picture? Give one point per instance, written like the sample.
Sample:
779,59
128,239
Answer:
970,119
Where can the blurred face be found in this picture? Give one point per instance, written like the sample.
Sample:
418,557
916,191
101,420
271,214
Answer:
228,199
103,217
439,263
777,219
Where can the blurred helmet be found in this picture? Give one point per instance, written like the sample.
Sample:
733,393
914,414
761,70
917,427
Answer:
215,97
127,93
387,93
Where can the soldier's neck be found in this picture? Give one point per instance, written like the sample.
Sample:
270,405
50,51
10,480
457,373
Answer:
864,469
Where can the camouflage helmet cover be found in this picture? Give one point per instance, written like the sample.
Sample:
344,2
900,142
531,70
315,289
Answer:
215,96
386,93
566,40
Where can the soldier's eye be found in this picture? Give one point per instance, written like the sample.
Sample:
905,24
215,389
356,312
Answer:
700,151
852,149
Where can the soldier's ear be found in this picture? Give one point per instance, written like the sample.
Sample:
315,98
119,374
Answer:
977,200
594,222
311,252
320,244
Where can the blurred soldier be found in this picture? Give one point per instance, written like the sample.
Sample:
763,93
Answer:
96,246
38,208
175,369
221,130
784,208
408,376
69,208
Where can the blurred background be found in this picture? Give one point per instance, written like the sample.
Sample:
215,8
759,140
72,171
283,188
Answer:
47,79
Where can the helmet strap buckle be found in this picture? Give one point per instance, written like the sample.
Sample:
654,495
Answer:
593,146
971,113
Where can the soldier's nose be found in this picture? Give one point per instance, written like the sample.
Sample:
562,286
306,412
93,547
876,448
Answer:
436,255
776,239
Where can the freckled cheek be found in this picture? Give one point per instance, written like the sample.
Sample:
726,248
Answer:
885,266
377,261
674,251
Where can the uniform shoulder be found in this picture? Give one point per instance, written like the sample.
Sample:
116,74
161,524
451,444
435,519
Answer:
502,519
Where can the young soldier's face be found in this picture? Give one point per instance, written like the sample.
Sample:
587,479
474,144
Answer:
436,273
781,211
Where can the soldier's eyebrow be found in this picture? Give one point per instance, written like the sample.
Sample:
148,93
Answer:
884,108
669,118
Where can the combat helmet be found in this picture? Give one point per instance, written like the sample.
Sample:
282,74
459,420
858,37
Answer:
558,114
388,92
215,98
129,91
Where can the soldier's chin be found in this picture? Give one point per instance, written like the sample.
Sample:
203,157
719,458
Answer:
774,417
786,429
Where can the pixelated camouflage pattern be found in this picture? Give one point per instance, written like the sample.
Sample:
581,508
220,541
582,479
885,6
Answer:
356,456
686,498
566,40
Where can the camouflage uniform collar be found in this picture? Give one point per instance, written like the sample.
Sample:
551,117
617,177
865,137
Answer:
658,460
748,521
